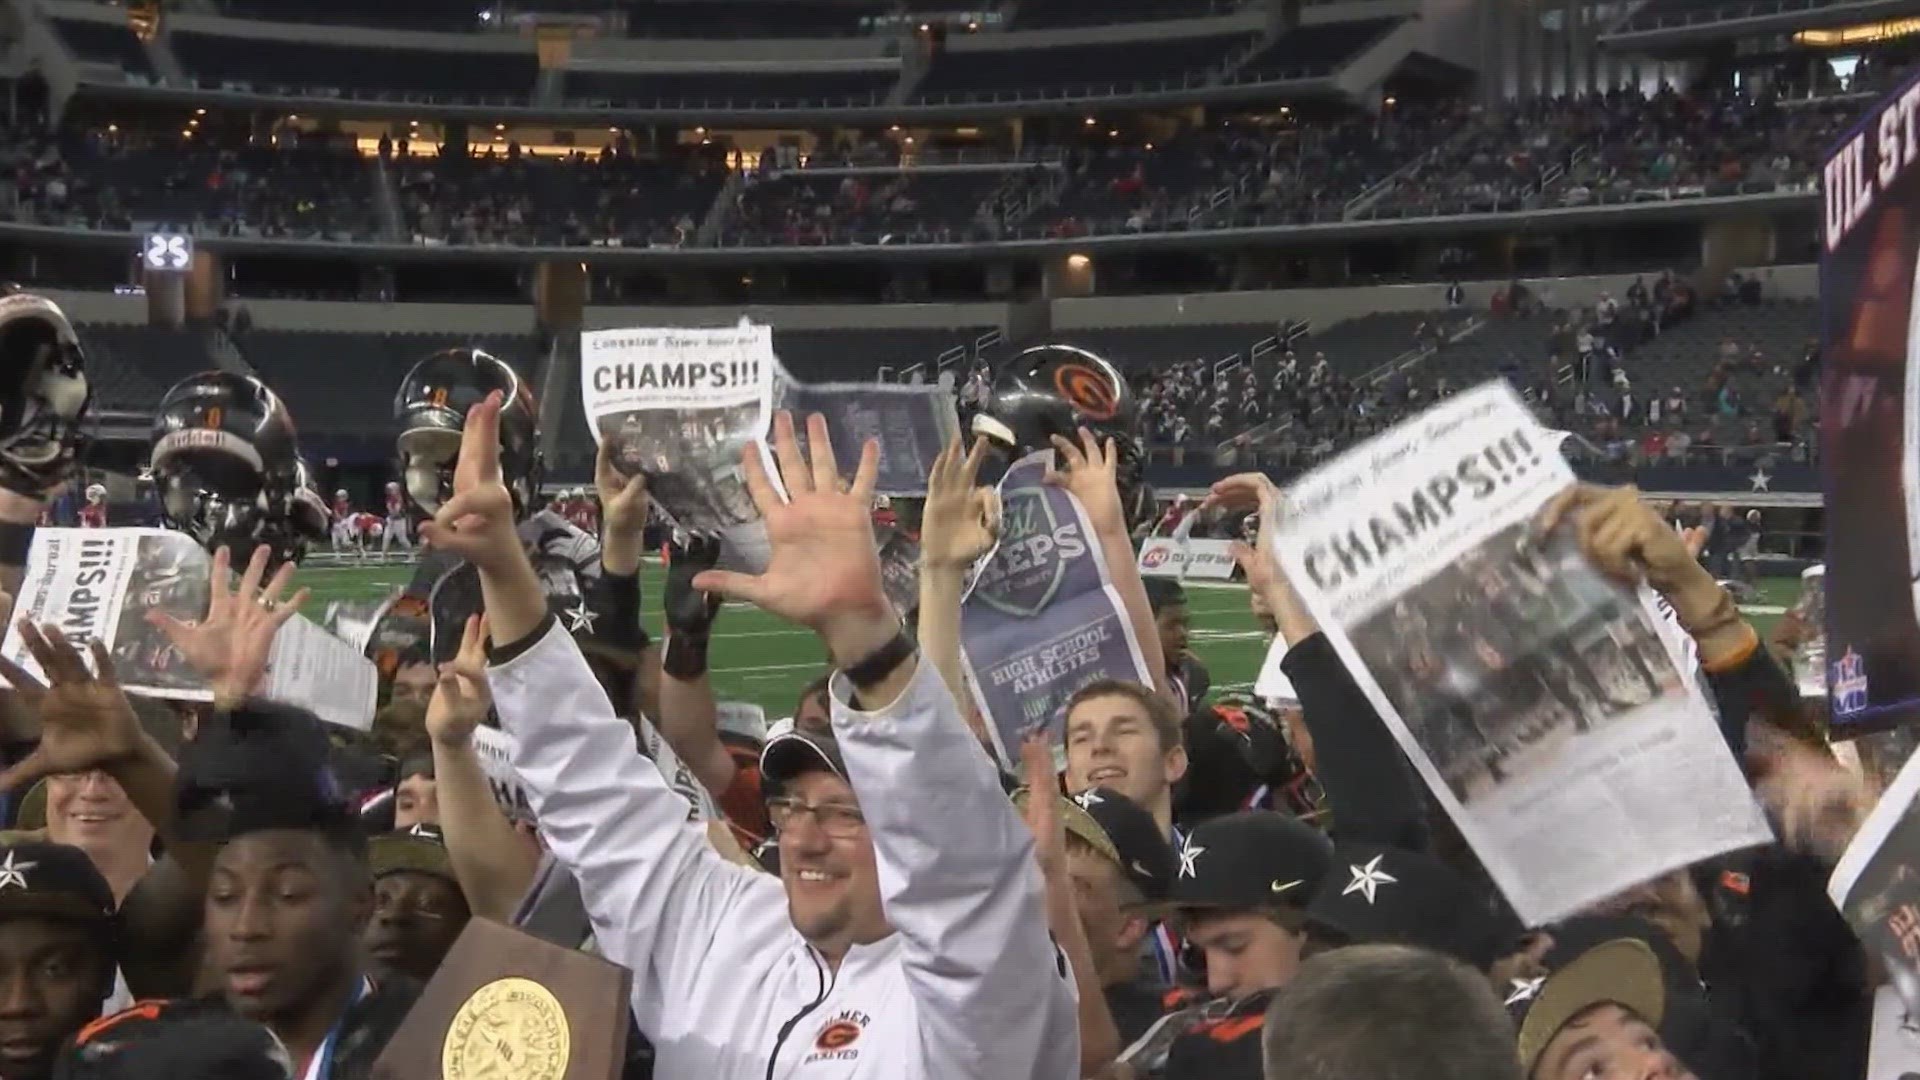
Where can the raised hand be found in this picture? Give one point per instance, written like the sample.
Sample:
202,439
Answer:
477,523
1043,804
461,700
231,645
961,520
1248,491
86,721
623,500
1623,537
1092,475
690,612
823,572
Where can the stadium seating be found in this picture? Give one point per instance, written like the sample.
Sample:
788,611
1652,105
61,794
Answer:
1312,50
442,15
1092,68
1047,14
749,18
913,206
131,367
308,67
618,200
305,190
343,383
757,89
105,43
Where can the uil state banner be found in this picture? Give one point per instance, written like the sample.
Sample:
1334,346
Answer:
1870,417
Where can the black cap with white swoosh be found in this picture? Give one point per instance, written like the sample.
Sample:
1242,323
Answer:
1254,859
1144,854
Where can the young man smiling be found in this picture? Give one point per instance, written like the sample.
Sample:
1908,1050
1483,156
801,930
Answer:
1123,736
906,937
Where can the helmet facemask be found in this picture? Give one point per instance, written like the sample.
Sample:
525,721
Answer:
40,413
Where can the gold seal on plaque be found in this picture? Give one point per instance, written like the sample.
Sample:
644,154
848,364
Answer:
510,1029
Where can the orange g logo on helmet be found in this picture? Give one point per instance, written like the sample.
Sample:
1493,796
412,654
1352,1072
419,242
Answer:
1087,389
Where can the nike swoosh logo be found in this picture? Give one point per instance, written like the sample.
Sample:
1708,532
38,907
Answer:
1280,888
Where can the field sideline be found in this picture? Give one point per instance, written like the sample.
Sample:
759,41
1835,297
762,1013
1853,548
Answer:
760,659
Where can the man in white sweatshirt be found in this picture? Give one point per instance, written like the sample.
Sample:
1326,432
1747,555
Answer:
906,937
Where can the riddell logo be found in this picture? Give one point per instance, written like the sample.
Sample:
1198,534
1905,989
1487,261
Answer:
836,1040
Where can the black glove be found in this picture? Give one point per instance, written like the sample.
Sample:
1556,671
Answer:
690,612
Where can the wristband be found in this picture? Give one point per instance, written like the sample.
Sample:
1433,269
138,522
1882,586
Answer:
15,542
685,658
870,670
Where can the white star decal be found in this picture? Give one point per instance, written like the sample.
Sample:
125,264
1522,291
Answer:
14,873
1187,855
1521,990
1760,480
580,615
1368,879
1088,798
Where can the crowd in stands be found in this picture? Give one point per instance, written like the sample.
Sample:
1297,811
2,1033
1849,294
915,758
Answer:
1412,159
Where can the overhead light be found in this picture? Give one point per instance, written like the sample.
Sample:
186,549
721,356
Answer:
699,131
112,128
199,112
1284,110
291,118
1091,121
1149,146
895,128
925,28
909,140
613,131
1078,261
187,133
1390,101
1113,134
499,127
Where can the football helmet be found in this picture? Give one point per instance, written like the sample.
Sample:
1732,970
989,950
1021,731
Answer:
1050,390
311,516
226,465
431,408
43,394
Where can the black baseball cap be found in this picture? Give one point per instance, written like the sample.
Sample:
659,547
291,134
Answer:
168,1039
795,751
422,849
264,765
1381,893
42,879
1133,838
1253,859
1622,972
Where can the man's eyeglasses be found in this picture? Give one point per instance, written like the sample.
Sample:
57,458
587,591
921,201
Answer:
835,819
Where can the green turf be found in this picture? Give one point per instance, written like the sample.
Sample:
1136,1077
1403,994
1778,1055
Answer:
760,659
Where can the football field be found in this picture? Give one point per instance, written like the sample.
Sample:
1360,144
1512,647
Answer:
757,658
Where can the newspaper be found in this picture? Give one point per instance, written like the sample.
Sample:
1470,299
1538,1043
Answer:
1876,886
1536,697
1041,618
99,584
913,422
678,405
900,569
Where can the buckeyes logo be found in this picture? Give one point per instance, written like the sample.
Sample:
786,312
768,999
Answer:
1088,390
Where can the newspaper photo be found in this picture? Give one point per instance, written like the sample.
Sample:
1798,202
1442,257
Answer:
913,422
99,584
1537,697
677,406
1876,886
1042,618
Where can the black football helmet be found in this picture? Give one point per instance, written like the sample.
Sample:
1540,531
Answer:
431,408
309,514
226,464
43,394
1050,390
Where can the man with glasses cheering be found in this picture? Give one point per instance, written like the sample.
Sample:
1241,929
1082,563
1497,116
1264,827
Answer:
940,966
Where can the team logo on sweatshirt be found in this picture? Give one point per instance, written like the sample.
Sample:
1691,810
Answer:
838,1037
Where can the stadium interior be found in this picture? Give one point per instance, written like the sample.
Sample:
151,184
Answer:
1291,222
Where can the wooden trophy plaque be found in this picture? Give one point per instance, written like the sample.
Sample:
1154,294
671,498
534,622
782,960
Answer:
506,1005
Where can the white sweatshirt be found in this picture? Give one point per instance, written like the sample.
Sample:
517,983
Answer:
970,985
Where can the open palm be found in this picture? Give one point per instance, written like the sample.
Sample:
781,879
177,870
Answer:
86,721
822,566
231,645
